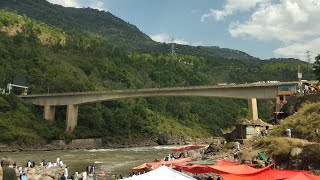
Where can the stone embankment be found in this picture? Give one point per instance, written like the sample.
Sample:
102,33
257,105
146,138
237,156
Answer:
44,173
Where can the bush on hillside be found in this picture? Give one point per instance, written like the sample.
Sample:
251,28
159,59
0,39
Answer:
278,146
305,124
4,105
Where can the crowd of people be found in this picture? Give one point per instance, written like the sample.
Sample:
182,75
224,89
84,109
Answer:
13,172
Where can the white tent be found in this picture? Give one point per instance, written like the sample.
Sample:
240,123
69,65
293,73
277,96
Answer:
161,173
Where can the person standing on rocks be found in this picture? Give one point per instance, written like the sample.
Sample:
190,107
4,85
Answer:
29,164
63,177
24,176
76,176
258,133
8,173
66,172
237,146
288,132
84,175
1,173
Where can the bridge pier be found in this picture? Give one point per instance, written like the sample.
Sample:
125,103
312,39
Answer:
253,109
49,113
72,117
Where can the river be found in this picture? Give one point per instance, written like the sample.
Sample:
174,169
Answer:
111,161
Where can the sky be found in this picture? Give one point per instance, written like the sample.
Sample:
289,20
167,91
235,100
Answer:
262,28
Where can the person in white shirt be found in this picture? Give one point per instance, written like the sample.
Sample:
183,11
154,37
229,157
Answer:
84,175
66,172
288,132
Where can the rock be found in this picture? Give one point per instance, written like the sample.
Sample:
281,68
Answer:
47,178
31,171
195,155
163,138
215,146
36,177
295,151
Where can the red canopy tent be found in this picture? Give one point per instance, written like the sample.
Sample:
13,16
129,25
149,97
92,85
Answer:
237,169
154,165
271,174
226,167
195,169
187,148
304,176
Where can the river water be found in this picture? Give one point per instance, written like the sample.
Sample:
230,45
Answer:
110,161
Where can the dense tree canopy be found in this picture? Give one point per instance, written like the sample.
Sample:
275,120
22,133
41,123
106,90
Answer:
317,67
53,60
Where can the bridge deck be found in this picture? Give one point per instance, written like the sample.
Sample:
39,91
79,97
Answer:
159,89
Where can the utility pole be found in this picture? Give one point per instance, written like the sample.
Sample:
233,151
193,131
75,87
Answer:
173,51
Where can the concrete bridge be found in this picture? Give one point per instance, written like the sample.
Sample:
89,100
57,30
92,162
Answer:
251,92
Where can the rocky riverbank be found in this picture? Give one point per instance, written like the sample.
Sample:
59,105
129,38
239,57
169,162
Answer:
52,173
163,139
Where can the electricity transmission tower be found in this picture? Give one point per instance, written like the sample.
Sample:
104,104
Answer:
173,50
308,56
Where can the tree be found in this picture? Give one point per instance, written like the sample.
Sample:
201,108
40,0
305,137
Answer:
243,115
316,67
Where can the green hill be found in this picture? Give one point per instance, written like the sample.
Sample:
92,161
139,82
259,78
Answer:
85,21
61,59
115,31
304,124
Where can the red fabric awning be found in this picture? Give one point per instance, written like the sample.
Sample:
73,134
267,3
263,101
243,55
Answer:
154,165
140,168
225,167
195,169
200,169
271,174
304,176
186,148
237,169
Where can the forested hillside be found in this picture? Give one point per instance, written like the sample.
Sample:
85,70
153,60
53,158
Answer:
57,59
104,25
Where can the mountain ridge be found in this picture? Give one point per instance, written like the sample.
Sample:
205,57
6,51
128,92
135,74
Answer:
115,30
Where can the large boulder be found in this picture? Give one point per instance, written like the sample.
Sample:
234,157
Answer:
214,147
163,138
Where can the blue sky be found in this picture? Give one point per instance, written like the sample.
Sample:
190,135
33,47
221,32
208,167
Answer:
262,28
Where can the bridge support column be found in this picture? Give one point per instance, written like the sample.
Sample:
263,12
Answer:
49,113
72,117
253,109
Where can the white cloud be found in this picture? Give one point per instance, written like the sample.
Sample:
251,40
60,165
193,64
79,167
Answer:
66,3
293,23
95,4
163,37
231,7
287,21
299,50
